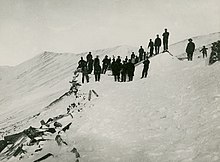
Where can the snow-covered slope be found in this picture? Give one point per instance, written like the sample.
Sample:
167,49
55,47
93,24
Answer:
178,49
32,85
173,115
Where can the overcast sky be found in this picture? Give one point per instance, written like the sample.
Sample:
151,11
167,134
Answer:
29,27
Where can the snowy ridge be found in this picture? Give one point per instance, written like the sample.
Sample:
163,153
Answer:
178,49
173,115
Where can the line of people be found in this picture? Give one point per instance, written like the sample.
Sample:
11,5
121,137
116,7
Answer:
122,69
157,43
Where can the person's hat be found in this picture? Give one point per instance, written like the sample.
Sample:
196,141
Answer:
189,39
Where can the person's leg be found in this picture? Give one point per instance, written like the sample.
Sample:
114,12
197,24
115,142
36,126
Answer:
83,77
96,77
143,73
99,76
87,78
146,72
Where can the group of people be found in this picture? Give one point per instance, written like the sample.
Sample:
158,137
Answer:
157,43
122,70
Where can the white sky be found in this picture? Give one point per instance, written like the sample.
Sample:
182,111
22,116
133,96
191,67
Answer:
29,27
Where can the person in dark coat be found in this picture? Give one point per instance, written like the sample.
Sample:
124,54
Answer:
124,71
165,40
145,55
116,67
97,72
83,66
96,61
151,46
136,59
89,62
133,57
105,63
146,67
141,53
204,51
130,70
157,44
190,49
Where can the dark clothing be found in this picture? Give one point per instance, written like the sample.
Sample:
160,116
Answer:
97,72
89,57
90,66
116,68
123,72
105,64
165,40
96,62
83,66
189,50
130,70
145,69
141,52
204,52
157,44
151,46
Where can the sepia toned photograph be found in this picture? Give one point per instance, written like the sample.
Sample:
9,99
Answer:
109,81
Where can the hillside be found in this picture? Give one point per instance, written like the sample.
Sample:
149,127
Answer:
173,115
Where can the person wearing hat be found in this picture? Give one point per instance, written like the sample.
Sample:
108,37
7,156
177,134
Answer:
146,67
190,49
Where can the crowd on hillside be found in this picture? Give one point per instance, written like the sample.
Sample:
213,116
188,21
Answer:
122,70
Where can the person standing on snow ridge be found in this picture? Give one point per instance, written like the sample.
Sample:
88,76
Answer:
97,72
124,71
157,44
146,67
83,66
190,49
151,46
165,40
105,62
130,70
204,51
89,62
141,52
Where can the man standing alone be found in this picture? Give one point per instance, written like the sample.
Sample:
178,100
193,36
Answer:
157,44
190,49
165,40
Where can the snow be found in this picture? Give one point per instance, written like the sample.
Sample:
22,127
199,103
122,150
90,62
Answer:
173,115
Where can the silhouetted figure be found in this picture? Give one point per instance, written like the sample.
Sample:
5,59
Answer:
89,62
124,71
165,40
105,63
141,53
157,44
83,66
136,59
116,67
118,59
133,58
145,55
130,70
126,58
145,69
151,46
96,61
190,49
204,51
97,72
